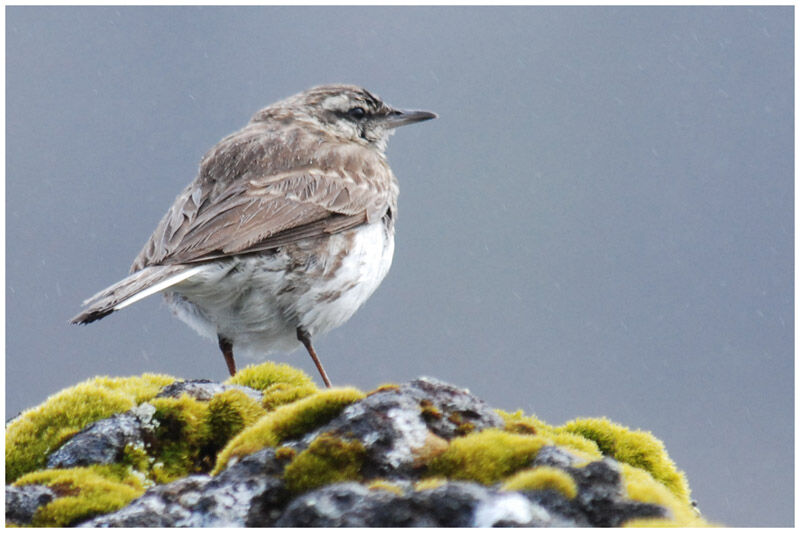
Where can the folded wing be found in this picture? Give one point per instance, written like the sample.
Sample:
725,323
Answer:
256,190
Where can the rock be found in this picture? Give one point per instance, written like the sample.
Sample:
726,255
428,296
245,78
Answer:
450,411
421,454
600,495
163,506
203,389
553,456
512,509
600,501
22,502
102,442
353,505
204,501
399,427
350,504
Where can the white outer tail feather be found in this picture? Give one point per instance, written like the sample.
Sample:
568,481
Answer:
138,285
160,286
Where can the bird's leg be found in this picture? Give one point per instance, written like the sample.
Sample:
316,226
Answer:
227,350
305,338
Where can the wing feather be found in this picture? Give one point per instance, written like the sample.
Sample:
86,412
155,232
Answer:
261,188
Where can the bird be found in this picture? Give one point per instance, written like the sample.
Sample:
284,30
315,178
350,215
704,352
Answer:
286,231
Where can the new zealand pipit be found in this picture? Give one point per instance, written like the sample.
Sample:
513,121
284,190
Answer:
285,232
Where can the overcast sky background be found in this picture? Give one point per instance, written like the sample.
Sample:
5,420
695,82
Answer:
600,223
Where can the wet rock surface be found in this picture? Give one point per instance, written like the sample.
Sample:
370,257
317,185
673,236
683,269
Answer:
399,429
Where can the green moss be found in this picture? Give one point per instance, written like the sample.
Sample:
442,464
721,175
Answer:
666,522
576,444
288,421
636,448
429,483
384,388
229,413
285,453
543,478
189,433
83,493
181,436
39,431
519,422
261,377
282,393
136,457
641,486
486,456
328,459
386,485
280,384
523,428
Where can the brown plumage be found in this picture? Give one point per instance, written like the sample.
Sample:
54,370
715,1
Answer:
303,170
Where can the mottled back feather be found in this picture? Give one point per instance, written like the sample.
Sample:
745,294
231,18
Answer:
280,185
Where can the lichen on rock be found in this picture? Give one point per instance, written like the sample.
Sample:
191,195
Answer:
267,448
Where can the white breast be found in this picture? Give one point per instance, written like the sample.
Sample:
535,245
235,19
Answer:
362,270
258,301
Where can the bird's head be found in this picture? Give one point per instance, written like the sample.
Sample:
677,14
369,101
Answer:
345,111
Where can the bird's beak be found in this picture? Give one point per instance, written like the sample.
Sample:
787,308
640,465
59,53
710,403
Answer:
401,118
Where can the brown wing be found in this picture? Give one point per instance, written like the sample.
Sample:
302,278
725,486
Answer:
261,188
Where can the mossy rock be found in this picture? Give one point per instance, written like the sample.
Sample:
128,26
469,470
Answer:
84,492
289,421
487,456
641,486
328,459
229,413
279,383
38,431
635,448
189,433
542,478
195,436
385,485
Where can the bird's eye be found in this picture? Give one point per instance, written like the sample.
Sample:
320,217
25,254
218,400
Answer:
357,113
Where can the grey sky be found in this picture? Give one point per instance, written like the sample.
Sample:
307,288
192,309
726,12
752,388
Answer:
599,223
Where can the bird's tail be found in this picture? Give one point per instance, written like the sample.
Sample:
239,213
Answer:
138,285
